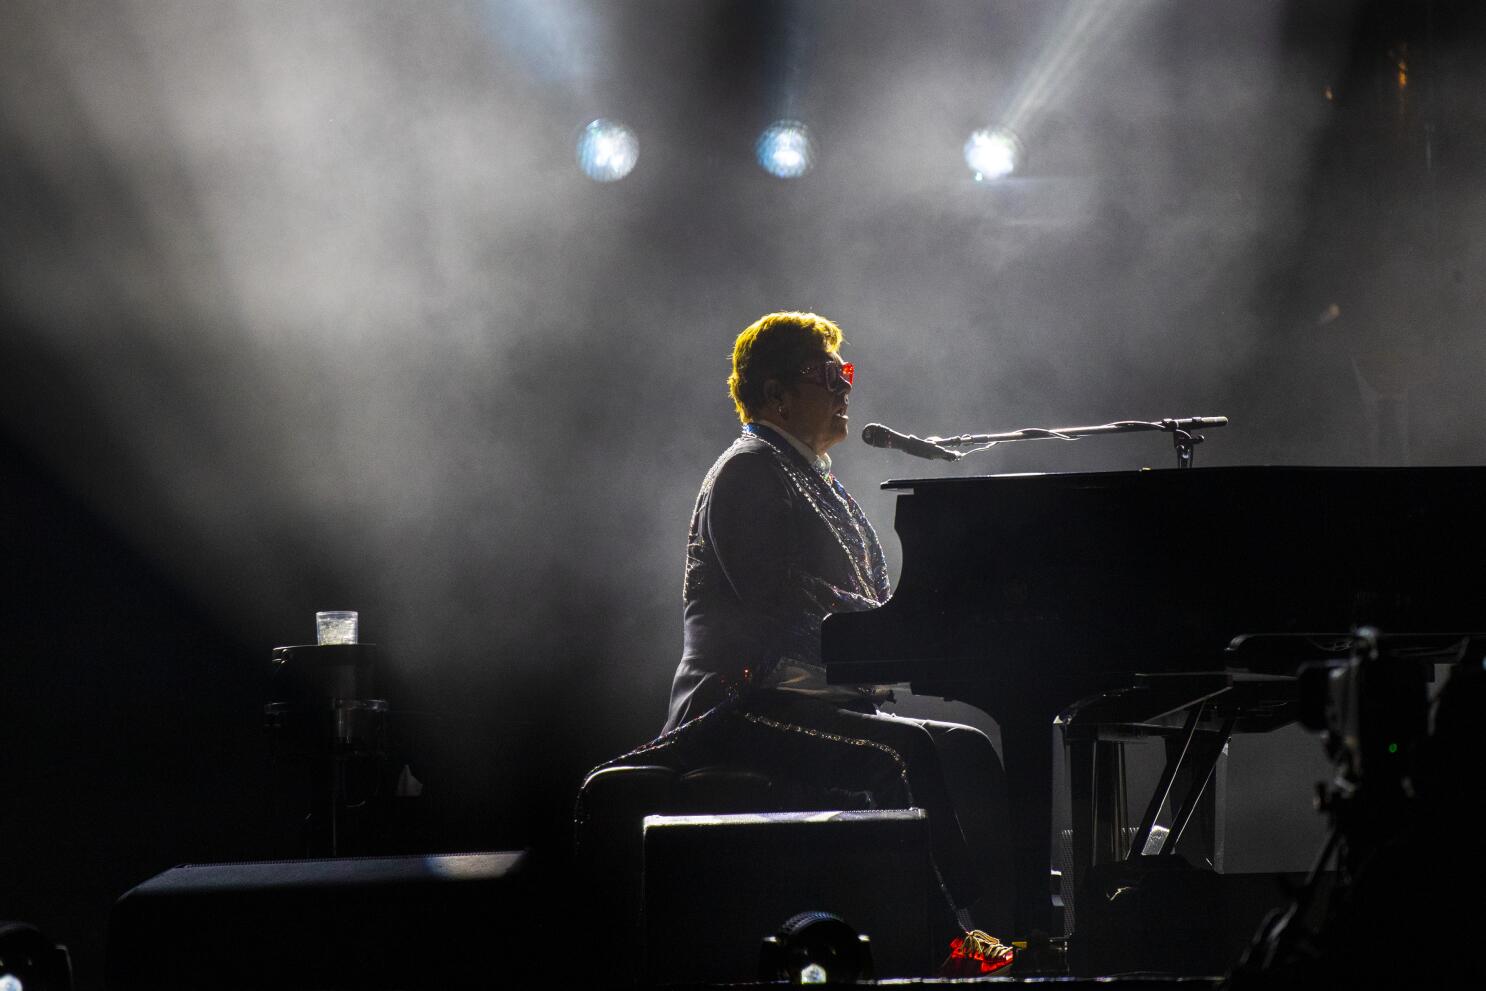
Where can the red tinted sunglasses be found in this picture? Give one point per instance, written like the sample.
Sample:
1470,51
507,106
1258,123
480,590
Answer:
837,378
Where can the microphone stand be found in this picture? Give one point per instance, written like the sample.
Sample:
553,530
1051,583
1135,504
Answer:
1183,434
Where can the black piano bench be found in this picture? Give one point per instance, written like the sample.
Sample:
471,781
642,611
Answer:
612,806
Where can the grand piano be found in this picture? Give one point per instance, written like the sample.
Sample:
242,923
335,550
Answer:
1023,594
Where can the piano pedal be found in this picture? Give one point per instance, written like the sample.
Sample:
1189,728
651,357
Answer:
1041,955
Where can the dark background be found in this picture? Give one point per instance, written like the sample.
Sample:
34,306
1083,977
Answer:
307,306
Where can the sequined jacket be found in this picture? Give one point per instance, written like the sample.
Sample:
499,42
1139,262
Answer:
774,546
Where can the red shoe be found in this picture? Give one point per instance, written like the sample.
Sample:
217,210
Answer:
976,954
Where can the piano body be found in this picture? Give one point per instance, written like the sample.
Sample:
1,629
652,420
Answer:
1022,594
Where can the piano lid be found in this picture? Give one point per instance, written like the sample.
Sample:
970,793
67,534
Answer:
1236,474
1160,569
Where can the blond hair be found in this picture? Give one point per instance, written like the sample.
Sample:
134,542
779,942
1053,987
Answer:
776,346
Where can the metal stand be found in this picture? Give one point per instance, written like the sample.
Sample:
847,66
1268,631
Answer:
1125,879
1183,434
1185,443
330,744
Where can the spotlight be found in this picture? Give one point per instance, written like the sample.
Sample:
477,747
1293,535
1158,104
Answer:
816,948
993,154
785,149
607,150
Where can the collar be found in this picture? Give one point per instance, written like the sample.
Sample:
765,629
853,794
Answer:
820,462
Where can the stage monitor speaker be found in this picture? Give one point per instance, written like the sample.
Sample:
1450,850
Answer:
715,886
436,921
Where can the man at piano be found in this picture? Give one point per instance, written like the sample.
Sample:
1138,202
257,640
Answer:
775,544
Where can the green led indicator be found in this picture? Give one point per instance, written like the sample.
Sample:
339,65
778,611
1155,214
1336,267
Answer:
1393,748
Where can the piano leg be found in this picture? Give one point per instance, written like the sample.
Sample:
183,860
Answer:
1026,738
1097,800
1027,741
1082,762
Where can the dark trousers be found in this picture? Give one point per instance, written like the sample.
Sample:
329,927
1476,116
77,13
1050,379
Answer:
950,771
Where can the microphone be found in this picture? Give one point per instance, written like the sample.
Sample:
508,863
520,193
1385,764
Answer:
877,435
1196,422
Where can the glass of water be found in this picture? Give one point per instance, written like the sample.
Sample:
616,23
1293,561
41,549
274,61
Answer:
337,626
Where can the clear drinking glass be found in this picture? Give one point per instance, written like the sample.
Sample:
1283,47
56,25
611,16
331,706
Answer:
337,626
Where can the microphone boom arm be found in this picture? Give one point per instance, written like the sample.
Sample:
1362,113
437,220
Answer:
1182,430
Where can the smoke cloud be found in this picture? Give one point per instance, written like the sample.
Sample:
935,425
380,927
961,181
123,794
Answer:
312,302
